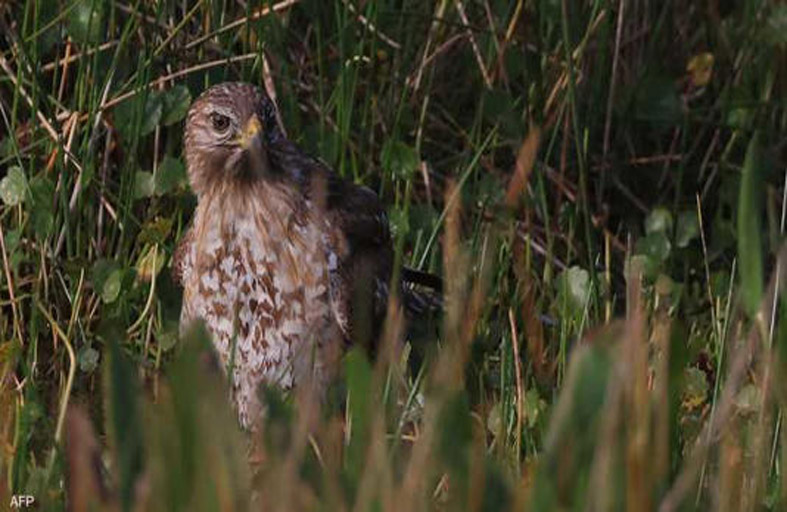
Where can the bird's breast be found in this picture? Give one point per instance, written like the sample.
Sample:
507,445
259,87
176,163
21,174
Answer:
262,286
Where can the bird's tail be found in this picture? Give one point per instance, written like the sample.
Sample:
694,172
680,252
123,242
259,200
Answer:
422,292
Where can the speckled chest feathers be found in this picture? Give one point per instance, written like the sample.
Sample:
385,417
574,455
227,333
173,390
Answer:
285,261
256,268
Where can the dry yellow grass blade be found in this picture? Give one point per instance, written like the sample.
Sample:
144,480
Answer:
525,160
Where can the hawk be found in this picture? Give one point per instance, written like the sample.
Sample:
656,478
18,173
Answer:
282,252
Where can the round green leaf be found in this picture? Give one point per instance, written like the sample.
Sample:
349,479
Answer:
659,221
167,339
155,231
86,21
642,264
688,229
401,159
655,245
175,105
170,176
111,289
151,116
42,215
13,186
6,147
143,184
88,359
575,283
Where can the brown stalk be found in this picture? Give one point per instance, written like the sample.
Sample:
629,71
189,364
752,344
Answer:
520,393
525,161
260,13
473,44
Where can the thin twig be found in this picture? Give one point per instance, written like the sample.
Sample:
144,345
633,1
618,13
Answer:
520,395
370,26
10,283
68,59
479,60
177,29
177,74
261,13
438,18
613,81
41,117
72,364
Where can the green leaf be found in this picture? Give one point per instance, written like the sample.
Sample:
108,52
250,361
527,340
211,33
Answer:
88,359
167,339
170,176
129,118
6,147
86,21
533,406
13,187
656,245
659,221
642,263
400,159
688,229
151,115
175,104
42,215
155,231
749,235
100,272
575,284
112,286
143,184
399,221
12,238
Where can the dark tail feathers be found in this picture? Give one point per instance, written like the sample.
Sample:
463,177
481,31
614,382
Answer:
422,292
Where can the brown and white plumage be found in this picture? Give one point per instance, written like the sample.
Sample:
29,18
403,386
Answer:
281,250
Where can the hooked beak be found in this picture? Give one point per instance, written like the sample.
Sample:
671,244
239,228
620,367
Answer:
250,141
251,137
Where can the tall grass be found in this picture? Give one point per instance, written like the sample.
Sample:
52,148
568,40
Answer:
599,183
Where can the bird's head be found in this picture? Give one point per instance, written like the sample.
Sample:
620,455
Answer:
229,130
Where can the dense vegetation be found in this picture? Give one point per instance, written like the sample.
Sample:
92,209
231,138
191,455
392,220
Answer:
599,182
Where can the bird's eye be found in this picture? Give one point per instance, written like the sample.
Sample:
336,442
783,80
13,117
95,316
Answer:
220,122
